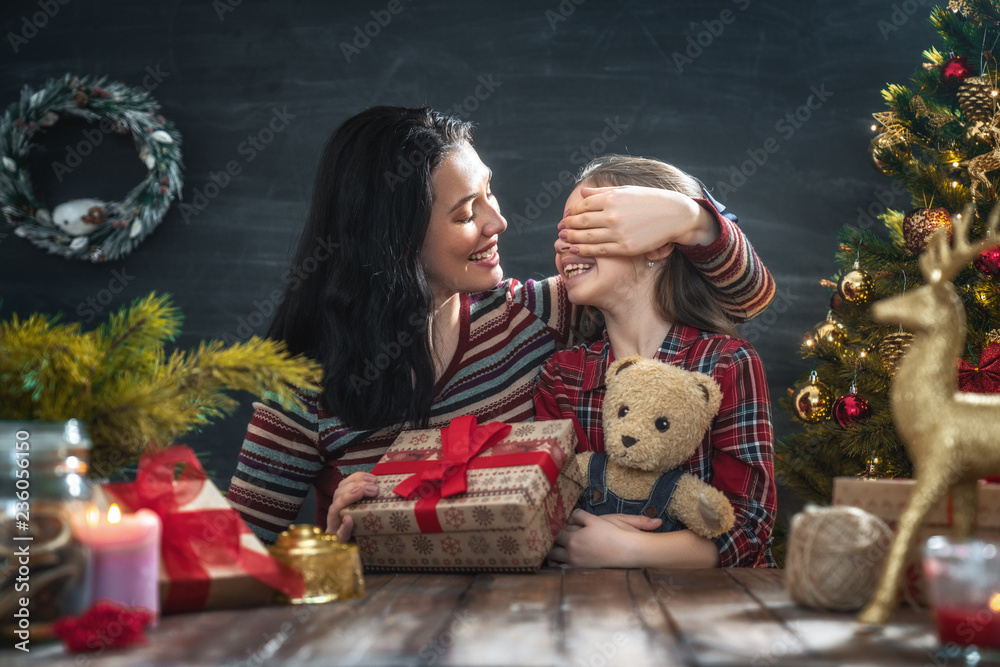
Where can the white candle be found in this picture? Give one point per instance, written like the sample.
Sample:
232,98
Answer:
124,556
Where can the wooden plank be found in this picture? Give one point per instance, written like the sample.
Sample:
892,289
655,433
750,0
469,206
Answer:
247,636
504,619
836,636
391,628
613,617
719,621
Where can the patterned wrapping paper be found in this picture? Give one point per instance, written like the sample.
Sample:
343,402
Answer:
506,521
887,499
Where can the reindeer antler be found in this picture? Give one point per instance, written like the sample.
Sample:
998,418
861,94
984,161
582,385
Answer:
942,261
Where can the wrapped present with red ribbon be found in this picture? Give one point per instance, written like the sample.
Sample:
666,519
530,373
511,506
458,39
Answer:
469,497
209,557
888,498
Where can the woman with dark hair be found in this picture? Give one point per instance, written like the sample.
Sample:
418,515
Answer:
657,304
410,317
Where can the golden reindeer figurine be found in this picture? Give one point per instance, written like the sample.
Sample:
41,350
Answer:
952,437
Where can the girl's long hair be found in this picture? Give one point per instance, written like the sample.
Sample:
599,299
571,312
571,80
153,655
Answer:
683,295
357,298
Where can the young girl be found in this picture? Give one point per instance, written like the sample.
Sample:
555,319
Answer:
659,306
411,317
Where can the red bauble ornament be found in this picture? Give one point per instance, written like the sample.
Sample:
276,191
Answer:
956,70
988,262
984,377
851,409
918,226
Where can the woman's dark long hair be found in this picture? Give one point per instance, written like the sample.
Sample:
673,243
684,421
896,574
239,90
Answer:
364,311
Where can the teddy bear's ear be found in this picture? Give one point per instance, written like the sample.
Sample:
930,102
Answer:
710,392
622,364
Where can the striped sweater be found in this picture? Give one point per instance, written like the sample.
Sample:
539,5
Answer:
507,334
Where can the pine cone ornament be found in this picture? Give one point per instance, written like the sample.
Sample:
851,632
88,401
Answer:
892,348
977,99
918,226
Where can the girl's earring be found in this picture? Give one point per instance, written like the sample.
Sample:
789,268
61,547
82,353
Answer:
651,263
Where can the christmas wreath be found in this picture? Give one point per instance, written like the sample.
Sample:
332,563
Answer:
89,228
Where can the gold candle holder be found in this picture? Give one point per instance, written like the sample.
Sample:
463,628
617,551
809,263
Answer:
330,570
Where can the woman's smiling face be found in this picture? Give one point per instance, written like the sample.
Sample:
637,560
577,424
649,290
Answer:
460,252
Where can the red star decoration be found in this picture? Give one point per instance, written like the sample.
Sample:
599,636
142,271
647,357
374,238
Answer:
983,378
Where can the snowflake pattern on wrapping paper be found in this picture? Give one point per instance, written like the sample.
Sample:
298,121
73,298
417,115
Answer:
454,517
419,438
551,428
479,545
395,544
533,541
483,516
423,544
399,521
522,431
512,514
367,545
451,546
372,523
507,545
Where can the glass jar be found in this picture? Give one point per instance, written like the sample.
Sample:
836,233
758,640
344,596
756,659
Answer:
43,491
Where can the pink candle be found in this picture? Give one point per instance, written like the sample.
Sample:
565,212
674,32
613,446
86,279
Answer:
125,557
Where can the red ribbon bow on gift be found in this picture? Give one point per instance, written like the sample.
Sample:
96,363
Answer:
461,441
193,539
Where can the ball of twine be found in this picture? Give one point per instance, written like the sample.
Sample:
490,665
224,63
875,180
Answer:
835,557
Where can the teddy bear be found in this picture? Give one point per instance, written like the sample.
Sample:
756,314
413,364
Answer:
655,417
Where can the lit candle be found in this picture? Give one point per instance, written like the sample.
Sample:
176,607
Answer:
125,556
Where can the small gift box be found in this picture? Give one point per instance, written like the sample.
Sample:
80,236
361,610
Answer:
209,557
888,498
469,498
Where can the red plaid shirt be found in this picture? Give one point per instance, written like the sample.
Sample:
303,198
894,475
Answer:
737,453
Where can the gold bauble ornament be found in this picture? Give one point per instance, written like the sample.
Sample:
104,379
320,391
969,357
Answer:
856,286
892,348
813,401
977,99
918,226
829,331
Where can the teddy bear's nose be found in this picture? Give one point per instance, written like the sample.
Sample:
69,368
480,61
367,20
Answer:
628,440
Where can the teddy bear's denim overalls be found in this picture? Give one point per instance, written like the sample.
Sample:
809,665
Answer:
598,500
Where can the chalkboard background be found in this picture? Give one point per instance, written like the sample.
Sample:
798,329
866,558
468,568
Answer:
701,84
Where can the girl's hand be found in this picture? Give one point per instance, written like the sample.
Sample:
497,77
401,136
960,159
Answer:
598,541
350,490
632,220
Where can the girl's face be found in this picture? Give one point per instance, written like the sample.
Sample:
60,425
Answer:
603,282
460,251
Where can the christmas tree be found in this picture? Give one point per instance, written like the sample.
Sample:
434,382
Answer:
939,138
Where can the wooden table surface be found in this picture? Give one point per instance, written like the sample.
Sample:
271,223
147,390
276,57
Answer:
571,617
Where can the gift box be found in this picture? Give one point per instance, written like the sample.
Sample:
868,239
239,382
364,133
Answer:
888,498
469,498
209,557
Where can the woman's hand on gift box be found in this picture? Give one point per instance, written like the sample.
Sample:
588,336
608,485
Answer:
598,541
350,490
